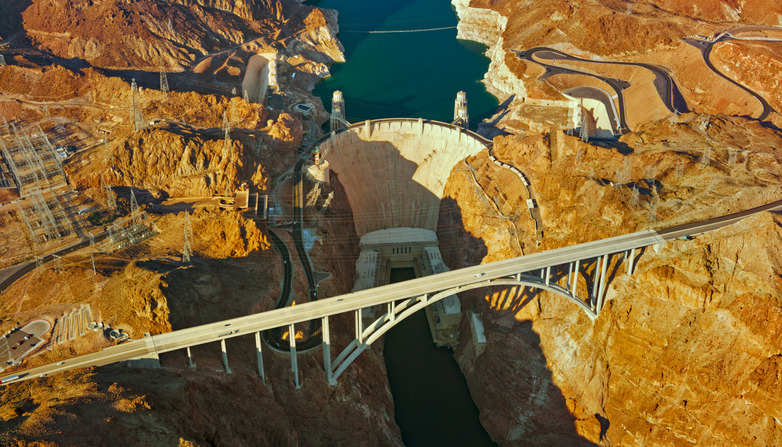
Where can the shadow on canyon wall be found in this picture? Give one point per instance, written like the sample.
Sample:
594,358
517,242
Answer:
517,396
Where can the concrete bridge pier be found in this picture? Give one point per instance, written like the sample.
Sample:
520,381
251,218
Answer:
190,359
601,290
574,284
327,352
630,263
259,355
225,357
359,327
294,365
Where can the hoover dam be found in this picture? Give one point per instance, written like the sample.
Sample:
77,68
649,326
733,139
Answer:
394,172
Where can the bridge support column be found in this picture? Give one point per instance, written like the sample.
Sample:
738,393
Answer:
601,291
190,359
630,263
327,352
294,365
359,327
574,285
569,274
593,301
225,357
548,275
259,355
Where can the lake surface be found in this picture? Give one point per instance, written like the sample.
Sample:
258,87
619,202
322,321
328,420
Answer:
405,75
432,403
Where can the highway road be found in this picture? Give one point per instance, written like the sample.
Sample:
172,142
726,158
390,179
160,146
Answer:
316,310
30,266
705,46
617,84
663,81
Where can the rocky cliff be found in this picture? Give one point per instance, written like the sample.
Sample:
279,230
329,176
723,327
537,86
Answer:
662,364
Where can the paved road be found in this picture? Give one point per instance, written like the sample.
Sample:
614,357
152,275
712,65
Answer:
31,265
705,46
617,84
663,82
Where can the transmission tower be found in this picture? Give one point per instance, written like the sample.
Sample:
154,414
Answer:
706,159
135,114
227,188
579,156
629,8
246,96
652,173
634,197
39,263
163,80
2,60
188,230
133,203
623,176
234,119
592,172
46,110
57,262
584,134
111,201
732,157
679,169
227,147
45,216
460,116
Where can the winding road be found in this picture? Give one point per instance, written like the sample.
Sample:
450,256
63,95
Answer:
663,82
706,46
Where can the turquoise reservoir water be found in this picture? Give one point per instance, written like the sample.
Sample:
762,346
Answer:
405,75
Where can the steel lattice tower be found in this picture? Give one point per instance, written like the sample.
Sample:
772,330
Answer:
136,116
111,201
133,202
188,230
163,80
584,132
2,60
227,147
706,159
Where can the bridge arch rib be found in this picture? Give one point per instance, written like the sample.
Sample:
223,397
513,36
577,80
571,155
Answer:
398,312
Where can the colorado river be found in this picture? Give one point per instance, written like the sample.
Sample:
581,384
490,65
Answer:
405,75
432,404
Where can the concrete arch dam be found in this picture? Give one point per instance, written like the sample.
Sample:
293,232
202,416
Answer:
394,171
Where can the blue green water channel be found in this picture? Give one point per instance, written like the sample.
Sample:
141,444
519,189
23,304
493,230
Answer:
405,75
411,75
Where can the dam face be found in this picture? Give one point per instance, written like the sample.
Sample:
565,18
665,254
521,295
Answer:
394,172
